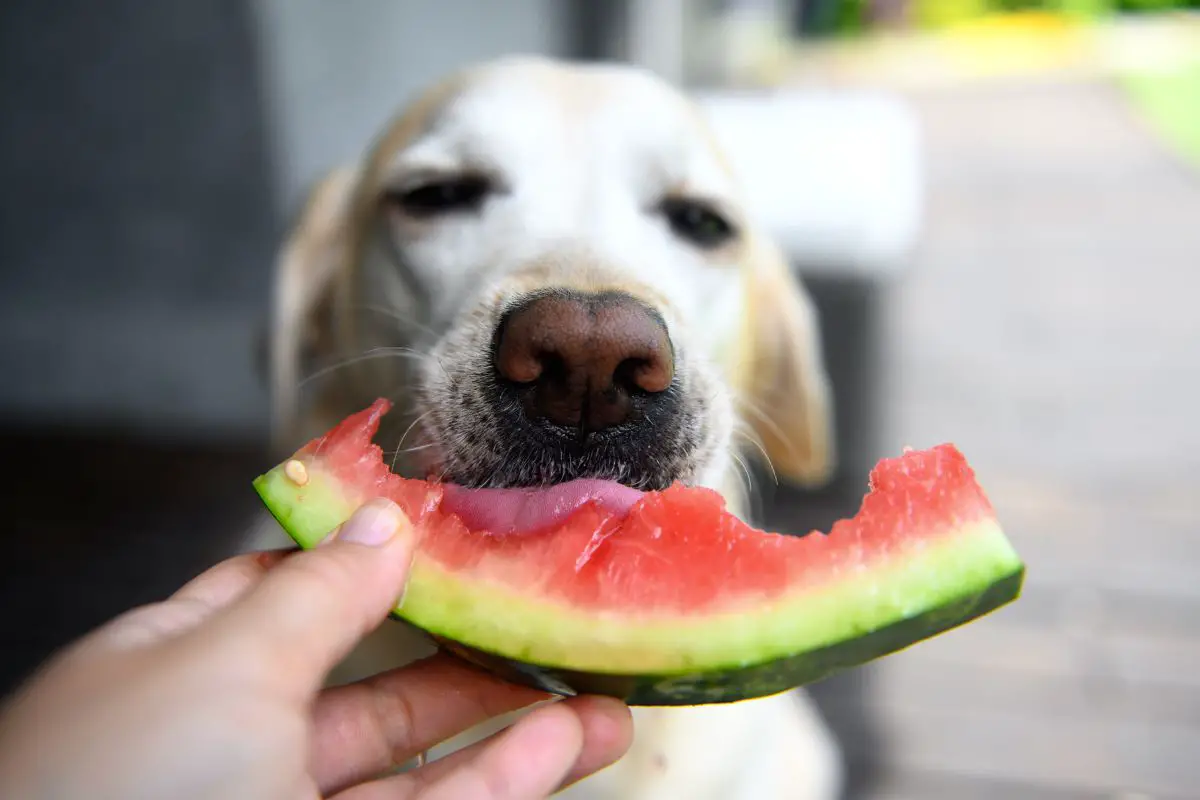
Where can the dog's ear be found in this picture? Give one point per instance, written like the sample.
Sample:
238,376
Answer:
312,255
784,386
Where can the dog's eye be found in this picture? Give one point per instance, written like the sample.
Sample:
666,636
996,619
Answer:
444,196
697,223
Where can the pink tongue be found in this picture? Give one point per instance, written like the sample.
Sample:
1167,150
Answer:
506,511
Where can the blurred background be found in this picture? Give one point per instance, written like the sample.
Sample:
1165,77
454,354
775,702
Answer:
995,202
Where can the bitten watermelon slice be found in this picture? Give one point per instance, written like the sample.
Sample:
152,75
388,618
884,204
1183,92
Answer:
665,598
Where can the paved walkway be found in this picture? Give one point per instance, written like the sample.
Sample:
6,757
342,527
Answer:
1052,330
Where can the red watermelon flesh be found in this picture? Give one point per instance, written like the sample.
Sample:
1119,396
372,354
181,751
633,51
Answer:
591,577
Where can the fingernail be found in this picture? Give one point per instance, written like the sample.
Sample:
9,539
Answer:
373,525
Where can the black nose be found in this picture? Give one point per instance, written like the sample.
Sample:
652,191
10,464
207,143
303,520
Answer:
584,361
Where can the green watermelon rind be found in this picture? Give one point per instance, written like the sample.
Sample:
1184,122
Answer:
773,676
674,659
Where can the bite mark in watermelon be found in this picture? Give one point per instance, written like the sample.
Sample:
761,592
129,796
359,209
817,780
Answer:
665,598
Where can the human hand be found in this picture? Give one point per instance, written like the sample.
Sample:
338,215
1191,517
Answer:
217,693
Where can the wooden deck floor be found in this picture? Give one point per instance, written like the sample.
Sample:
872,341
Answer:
1051,329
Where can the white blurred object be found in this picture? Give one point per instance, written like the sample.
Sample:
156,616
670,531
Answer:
836,177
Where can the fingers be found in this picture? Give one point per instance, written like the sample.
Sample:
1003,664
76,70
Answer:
607,735
224,583
309,611
544,752
607,728
365,728
183,611
528,761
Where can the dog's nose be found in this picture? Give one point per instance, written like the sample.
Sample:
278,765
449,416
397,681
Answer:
584,361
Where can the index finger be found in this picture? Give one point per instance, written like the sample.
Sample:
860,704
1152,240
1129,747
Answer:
309,611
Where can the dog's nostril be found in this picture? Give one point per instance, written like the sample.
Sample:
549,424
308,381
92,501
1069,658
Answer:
520,364
653,375
582,358
641,375
553,367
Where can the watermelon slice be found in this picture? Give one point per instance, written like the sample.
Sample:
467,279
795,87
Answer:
664,598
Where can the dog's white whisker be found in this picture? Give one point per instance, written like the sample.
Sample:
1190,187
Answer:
766,420
395,454
407,431
752,438
398,317
373,353
745,471
415,449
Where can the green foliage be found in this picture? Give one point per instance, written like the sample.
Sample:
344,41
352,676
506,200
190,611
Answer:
1021,5
851,17
1089,9
1149,5
942,13
1170,102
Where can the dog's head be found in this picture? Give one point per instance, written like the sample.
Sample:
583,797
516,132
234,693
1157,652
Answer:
549,268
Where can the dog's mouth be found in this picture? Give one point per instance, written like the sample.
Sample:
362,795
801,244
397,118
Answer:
530,509
509,496
518,478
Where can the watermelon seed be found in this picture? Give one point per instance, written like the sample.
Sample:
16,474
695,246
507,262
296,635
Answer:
296,472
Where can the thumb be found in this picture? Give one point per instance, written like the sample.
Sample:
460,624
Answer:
313,608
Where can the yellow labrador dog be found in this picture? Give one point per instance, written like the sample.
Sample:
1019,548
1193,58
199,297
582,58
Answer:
548,267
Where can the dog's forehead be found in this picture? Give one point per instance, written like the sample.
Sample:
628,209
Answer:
506,112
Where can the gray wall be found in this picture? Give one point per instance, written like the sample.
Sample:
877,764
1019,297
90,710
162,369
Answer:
148,152
135,218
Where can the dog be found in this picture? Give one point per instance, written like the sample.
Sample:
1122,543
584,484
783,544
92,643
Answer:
547,265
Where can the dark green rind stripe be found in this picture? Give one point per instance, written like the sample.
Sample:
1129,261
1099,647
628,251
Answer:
759,680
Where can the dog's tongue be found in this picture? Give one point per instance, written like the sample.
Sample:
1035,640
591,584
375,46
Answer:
508,511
